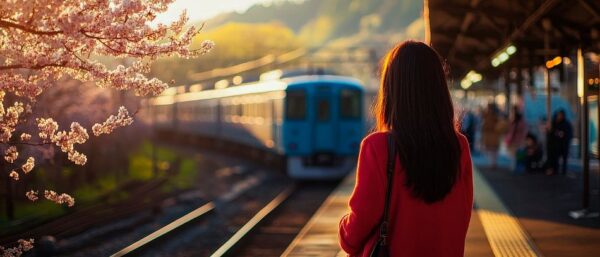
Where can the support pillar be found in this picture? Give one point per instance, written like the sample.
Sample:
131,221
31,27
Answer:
508,91
547,82
582,89
584,129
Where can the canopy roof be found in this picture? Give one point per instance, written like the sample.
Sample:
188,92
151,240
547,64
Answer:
470,33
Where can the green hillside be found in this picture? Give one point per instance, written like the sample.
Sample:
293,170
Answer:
321,21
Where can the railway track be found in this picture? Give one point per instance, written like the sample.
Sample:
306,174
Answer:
279,222
268,207
266,232
76,222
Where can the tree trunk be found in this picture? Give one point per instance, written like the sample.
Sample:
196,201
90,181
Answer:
10,204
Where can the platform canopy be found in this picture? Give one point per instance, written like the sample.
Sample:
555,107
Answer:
470,34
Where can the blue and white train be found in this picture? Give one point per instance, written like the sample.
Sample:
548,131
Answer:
315,121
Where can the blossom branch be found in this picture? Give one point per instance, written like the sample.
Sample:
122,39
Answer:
7,24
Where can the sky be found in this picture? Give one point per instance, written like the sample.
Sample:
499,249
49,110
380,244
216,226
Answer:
198,10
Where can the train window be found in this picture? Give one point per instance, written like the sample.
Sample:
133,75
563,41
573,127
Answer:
262,110
323,110
253,110
295,105
350,104
239,110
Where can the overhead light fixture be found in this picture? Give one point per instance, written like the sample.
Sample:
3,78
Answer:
503,55
511,49
554,62
580,73
495,62
465,84
471,78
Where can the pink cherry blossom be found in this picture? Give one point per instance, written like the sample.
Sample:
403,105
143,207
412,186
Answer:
59,199
25,137
64,140
14,175
23,246
28,165
11,154
122,119
32,195
43,42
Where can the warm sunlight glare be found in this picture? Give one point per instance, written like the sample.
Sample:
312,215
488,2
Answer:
204,9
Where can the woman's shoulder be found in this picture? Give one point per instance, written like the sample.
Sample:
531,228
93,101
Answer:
376,139
462,140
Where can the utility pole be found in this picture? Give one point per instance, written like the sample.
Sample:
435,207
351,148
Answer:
547,27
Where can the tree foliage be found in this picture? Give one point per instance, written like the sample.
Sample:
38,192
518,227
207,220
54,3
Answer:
238,43
319,21
44,41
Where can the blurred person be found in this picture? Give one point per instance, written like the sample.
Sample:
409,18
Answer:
533,154
468,128
430,189
517,131
559,139
492,128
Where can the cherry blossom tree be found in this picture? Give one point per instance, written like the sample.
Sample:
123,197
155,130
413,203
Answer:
44,41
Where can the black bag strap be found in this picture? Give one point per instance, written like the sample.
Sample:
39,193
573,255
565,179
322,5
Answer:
391,165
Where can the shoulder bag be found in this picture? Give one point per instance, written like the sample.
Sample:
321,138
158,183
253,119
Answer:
380,249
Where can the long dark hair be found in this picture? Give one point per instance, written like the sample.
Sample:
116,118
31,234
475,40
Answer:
414,103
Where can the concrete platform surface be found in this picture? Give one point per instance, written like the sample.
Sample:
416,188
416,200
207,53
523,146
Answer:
516,216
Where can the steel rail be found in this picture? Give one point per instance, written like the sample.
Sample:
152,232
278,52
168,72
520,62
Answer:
197,213
260,216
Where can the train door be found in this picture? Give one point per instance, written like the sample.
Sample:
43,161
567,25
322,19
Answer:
351,121
324,136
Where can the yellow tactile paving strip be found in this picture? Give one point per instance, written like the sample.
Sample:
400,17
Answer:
505,235
319,237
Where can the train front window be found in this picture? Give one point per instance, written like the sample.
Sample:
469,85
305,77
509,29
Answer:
295,105
350,104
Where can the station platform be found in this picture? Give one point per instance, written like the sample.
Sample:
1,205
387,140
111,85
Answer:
539,227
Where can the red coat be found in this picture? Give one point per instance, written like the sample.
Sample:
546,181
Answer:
417,229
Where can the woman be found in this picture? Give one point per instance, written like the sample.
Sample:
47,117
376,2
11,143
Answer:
432,189
492,129
559,141
517,132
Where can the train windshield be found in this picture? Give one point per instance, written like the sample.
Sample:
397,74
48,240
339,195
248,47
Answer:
350,104
295,105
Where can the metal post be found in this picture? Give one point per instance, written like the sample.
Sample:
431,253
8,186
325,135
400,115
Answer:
585,152
584,128
519,79
598,125
508,92
547,83
582,93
